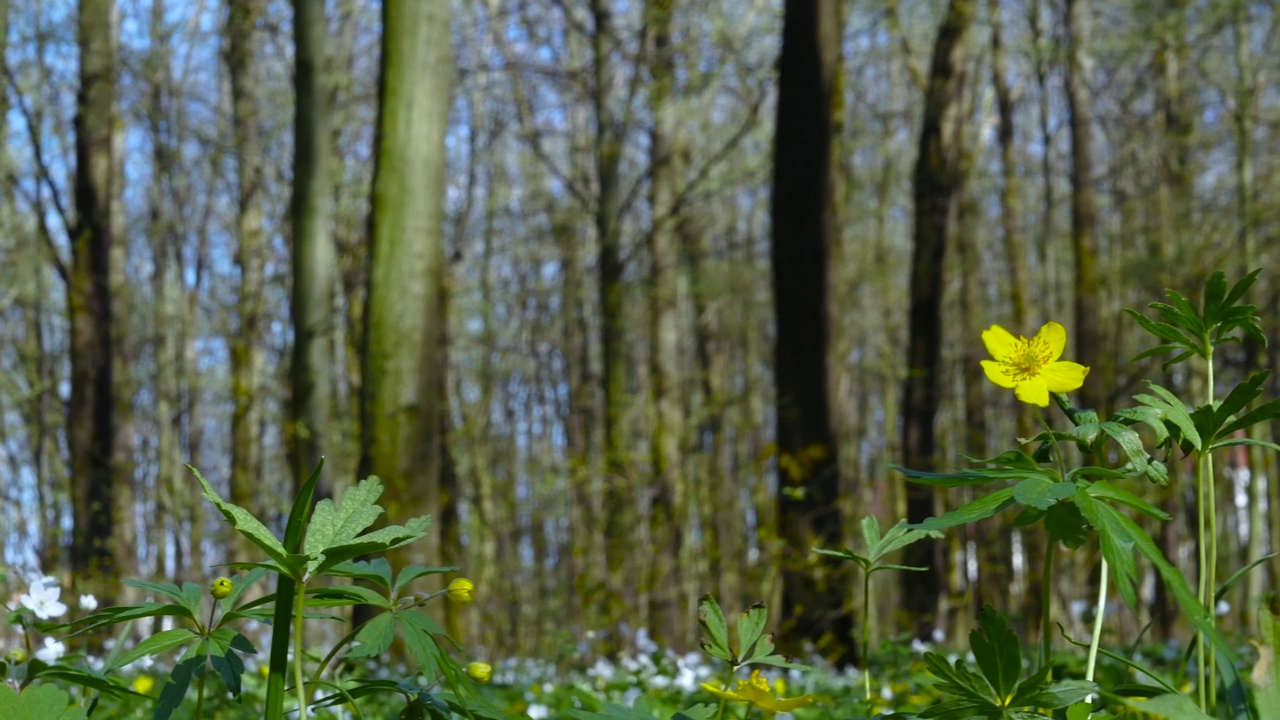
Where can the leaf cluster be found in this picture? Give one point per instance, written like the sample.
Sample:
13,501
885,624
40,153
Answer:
753,645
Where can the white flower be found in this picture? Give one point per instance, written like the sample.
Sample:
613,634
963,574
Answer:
42,598
88,603
52,651
538,711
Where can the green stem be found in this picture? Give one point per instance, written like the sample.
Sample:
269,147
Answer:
207,630
299,606
866,635
1097,622
1212,573
1046,588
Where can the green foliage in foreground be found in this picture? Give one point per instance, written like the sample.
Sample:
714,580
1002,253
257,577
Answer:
209,658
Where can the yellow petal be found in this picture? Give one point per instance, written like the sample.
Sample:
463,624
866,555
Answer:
786,705
1033,391
722,693
1063,376
1056,336
995,373
999,341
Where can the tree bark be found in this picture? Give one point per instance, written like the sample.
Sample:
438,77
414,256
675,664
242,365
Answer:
1084,206
91,430
242,58
937,181
806,223
403,346
311,304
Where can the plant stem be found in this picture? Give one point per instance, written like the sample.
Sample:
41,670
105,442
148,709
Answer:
1212,573
1046,588
1097,622
299,606
207,630
866,635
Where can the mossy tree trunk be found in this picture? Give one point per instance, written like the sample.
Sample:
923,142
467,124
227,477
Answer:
91,429
311,305
403,346
937,181
243,57
806,223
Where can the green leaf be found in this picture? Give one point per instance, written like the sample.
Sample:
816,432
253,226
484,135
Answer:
1174,412
244,522
376,571
1117,545
1139,670
898,537
711,618
418,632
1162,330
1266,411
870,531
39,702
334,535
1129,441
1172,706
342,595
701,711
374,637
413,572
1062,694
161,642
997,652
1104,490
982,508
750,627
959,680
1041,492
963,478
1215,289
1236,400
175,688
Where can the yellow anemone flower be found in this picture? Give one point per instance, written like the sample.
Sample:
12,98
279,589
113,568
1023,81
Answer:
143,684
755,692
1031,367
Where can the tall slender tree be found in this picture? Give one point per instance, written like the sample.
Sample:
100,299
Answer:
806,222
91,430
403,353
243,59
311,305
936,184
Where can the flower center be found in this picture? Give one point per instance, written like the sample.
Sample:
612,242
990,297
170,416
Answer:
1027,358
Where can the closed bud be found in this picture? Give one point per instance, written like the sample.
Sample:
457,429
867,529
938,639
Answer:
221,588
461,591
16,655
481,672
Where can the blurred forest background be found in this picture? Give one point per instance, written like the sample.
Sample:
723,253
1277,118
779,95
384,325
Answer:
637,298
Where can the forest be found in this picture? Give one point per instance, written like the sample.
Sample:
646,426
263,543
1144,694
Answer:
642,301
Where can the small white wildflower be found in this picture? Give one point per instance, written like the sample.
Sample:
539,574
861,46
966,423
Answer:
88,603
42,599
52,651
538,711
919,646
1222,608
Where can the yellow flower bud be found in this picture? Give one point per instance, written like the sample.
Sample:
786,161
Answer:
221,588
16,655
481,672
462,591
143,684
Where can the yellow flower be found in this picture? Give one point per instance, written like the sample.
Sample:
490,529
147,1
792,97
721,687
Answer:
481,672
221,588
143,684
1031,367
755,692
461,591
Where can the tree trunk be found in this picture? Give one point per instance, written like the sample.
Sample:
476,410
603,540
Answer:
939,175
806,223
311,305
1084,206
91,431
243,59
670,501
403,347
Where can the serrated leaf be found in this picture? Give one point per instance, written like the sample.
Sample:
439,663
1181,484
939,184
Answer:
1169,706
1106,491
38,702
1129,441
376,571
342,595
381,540
750,627
374,637
161,642
997,652
244,522
1063,693
1266,411
712,620
413,572
1041,492
1215,290
870,531
982,508
959,680
1117,545
175,688
1236,400
1174,412
898,537
417,631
